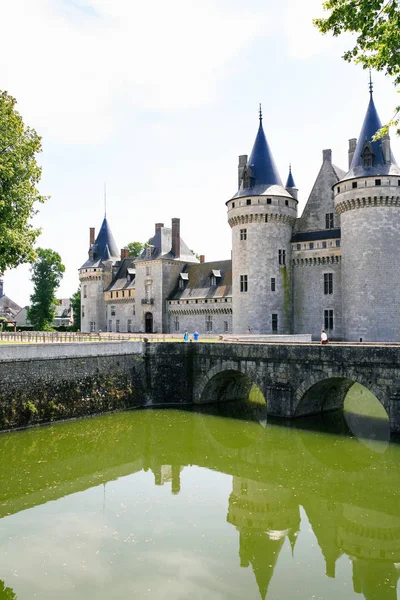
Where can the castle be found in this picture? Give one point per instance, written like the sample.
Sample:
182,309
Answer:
334,267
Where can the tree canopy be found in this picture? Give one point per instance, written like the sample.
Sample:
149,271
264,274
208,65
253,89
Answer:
76,309
135,249
47,272
376,24
19,174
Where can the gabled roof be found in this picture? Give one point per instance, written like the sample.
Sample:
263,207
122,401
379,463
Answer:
161,247
371,125
198,284
261,170
124,278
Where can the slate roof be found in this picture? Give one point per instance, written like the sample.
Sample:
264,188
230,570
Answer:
104,247
161,244
198,285
262,171
370,126
311,236
8,308
290,181
122,278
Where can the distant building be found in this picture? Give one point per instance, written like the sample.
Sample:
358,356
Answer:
63,317
8,308
334,268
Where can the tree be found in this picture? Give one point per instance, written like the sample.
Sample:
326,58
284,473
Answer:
377,25
135,249
47,272
19,174
76,309
6,593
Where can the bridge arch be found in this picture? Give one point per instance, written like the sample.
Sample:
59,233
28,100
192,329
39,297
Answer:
321,392
226,381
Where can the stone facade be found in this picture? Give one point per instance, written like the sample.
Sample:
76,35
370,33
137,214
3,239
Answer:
332,268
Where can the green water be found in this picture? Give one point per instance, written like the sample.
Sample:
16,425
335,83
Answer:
180,505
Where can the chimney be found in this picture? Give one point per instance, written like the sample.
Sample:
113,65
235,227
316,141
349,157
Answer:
352,147
91,235
176,238
202,258
124,253
386,149
241,167
158,226
327,155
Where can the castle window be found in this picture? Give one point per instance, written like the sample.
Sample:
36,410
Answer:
274,321
377,182
282,257
129,326
338,189
134,309
85,291
148,271
354,184
243,234
148,251
298,246
110,325
213,280
113,311
225,326
324,244
176,324
92,326
248,201
116,293
398,182
329,221
208,323
328,283
367,157
269,200
117,325
328,318
286,202
233,205
111,295
181,284
266,218
123,293
83,310
273,284
337,243
311,245
243,283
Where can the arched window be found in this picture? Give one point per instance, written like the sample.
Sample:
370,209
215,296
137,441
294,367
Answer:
367,157
246,179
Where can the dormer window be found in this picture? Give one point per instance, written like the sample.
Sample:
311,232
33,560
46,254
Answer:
148,251
246,179
183,279
215,277
367,156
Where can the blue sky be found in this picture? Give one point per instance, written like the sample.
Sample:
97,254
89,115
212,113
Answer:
159,98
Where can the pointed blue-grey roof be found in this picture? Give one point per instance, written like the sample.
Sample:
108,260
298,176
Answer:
371,125
104,247
263,176
290,181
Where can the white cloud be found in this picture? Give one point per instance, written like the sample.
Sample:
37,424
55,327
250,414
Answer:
68,61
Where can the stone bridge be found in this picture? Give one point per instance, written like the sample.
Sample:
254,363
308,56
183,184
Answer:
69,380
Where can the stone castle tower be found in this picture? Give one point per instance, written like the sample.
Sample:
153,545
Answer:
261,214
368,202
95,276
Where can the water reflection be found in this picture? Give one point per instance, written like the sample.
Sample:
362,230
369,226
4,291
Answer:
289,497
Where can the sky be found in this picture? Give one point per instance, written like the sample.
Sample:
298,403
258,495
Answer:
157,100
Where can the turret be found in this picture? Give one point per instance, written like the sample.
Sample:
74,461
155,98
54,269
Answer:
290,184
261,214
95,276
367,199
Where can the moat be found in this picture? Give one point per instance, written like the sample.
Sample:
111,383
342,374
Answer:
180,504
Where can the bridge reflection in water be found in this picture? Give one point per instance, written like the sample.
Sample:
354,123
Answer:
282,479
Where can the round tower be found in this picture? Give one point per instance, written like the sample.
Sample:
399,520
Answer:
261,214
368,202
95,276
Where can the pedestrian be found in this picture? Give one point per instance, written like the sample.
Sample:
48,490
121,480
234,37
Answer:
186,336
196,335
324,337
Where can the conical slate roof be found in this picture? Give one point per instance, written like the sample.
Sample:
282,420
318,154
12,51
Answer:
290,181
105,247
371,125
262,172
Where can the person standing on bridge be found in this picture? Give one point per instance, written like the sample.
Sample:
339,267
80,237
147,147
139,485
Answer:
186,336
196,335
324,337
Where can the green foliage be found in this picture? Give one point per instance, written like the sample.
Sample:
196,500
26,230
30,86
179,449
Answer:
6,593
76,309
47,273
377,26
135,249
19,174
